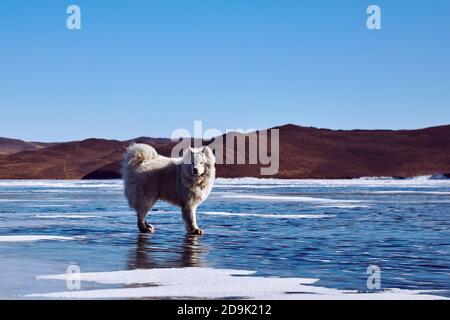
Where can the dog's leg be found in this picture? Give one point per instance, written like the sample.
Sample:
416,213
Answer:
143,225
190,220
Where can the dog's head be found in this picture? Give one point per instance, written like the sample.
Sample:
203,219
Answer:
200,160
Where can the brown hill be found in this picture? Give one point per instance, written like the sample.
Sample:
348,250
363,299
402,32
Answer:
71,160
10,146
322,153
304,153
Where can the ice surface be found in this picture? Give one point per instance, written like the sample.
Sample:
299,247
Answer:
344,206
439,193
286,198
286,230
329,203
65,216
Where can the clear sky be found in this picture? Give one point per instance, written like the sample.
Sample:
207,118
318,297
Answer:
148,67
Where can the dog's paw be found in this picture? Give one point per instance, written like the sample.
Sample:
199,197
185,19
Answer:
197,232
146,228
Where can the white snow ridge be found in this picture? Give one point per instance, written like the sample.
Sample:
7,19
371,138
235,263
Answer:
211,283
267,215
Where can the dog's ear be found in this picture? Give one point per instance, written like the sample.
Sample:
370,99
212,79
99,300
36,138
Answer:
209,154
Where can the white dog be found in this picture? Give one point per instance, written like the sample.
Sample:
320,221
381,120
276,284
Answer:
185,182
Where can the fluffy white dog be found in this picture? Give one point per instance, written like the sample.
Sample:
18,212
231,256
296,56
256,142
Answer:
185,182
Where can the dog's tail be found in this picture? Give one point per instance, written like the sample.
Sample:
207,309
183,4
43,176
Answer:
137,153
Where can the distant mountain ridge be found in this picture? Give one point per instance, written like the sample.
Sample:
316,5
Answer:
305,153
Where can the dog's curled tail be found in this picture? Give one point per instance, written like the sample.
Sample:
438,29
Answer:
137,153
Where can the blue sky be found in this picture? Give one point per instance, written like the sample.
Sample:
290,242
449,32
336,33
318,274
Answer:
148,67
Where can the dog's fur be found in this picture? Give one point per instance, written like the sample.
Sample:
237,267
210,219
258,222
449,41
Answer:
185,182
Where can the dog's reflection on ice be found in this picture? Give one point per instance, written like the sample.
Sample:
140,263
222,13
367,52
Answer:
149,253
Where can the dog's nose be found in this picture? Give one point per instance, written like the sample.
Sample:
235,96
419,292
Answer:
195,171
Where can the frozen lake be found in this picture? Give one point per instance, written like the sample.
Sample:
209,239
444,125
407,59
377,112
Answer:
281,239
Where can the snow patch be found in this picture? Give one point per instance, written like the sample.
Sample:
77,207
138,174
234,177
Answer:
116,184
212,283
25,238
